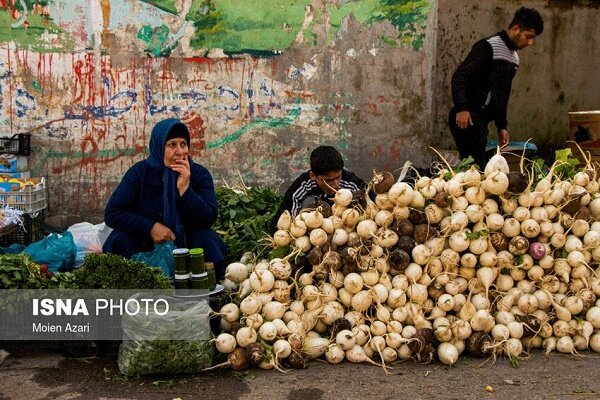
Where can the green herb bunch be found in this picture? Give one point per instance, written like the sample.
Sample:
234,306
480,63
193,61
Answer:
110,271
244,219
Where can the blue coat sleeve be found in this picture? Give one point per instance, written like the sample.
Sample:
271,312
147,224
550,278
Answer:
121,212
198,206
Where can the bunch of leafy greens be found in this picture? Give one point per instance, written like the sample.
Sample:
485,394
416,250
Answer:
110,271
566,165
19,271
244,219
465,165
99,271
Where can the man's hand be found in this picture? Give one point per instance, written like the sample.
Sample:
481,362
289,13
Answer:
463,119
503,137
182,167
161,233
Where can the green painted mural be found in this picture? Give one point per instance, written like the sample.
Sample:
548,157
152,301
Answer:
274,25
249,26
29,25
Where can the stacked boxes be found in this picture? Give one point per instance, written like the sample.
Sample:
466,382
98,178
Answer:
20,192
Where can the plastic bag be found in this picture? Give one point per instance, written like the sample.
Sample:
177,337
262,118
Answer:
88,239
177,342
14,248
56,250
161,256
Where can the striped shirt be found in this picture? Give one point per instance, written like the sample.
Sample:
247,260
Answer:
304,190
482,83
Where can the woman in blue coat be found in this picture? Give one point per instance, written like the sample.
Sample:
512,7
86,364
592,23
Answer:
165,197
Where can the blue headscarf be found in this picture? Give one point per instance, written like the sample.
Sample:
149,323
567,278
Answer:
158,139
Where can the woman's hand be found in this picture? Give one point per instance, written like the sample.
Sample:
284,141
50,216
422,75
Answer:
161,233
182,167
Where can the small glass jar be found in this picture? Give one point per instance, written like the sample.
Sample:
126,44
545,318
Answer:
200,281
212,277
182,269
197,261
181,261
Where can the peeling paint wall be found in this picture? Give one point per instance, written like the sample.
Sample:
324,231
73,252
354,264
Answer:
560,73
90,78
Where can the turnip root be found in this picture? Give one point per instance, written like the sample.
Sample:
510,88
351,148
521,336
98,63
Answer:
447,353
314,347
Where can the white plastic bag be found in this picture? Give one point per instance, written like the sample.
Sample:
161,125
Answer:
88,239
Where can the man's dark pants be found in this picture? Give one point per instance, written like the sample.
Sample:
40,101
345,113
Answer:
472,140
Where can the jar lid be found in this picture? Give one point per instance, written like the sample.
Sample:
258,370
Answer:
180,251
197,251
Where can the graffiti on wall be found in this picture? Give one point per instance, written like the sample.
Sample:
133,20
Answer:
94,108
104,110
196,26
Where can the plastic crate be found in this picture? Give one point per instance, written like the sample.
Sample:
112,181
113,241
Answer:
29,200
17,144
32,230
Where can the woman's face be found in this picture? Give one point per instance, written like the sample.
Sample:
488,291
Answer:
175,149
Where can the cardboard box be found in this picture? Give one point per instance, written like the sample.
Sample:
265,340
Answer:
584,128
591,153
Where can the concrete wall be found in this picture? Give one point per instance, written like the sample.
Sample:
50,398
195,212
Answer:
89,79
91,92
560,73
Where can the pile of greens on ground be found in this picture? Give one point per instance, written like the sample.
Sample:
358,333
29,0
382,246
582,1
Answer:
109,271
19,271
244,219
99,271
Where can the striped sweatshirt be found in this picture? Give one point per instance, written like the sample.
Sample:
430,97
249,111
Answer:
482,82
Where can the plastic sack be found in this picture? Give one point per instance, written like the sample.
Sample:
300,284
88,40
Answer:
14,248
88,239
177,342
161,256
56,250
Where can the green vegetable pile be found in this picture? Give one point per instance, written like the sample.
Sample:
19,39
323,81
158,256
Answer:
567,165
19,271
244,219
110,271
99,271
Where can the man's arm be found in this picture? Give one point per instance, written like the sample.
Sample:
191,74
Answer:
503,73
469,69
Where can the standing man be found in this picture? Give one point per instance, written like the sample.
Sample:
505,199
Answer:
481,84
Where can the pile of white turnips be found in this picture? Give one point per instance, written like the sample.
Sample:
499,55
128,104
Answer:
489,263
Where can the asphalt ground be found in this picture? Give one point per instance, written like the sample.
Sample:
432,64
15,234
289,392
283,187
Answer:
63,371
